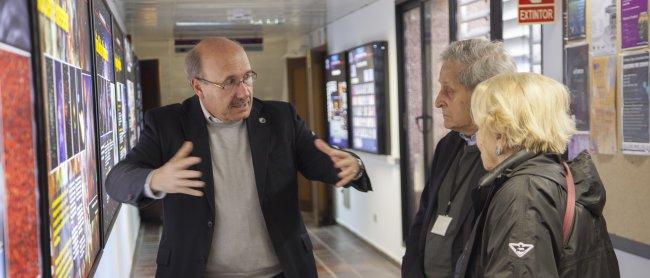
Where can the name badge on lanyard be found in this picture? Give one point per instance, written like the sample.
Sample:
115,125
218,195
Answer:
441,225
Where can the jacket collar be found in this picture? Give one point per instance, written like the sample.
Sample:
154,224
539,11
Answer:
525,162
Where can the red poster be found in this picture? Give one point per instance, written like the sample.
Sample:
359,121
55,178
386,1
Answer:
17,122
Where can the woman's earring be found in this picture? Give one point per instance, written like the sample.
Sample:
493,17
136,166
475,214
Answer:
498,151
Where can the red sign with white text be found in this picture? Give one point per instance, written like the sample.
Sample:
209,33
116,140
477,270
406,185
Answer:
536,11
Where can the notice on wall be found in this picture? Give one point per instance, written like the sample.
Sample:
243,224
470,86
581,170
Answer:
576,28
635,109
576,78
634,23
603,105
603,27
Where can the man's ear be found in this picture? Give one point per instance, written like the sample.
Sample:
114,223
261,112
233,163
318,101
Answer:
196,86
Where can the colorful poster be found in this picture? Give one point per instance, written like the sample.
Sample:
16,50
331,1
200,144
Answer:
336,90
576,19
21,226
3,202
603,105
70,137
603,27
634,23
121,93
19,204
635,109
106,65
576,78
130,92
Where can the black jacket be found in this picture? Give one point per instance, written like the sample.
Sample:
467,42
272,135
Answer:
518,232
280,143
413,260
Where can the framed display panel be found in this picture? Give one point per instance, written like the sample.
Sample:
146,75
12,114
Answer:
336,88
576,77
19,204
69,125
633,23
121,104
139,112
634,103
105,97
130,92
575,24
368,79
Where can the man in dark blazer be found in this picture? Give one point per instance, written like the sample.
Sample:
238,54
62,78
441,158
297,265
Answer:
224,165
443,222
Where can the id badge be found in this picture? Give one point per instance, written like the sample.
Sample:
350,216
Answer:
441,225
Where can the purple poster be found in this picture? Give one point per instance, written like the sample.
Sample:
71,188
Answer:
634,23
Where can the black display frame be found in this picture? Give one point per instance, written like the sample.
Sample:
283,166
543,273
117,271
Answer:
382,102
346,79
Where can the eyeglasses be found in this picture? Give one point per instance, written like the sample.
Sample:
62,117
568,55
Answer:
233,82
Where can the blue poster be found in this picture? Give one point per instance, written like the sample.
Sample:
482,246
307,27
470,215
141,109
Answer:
576,19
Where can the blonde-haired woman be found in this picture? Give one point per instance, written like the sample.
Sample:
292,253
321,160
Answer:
520,204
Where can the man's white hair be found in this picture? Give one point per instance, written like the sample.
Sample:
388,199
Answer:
480,59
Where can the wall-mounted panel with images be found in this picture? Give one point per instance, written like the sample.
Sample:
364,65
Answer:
19,203
635,103
368,66
634,23
105,95
336,88
67,88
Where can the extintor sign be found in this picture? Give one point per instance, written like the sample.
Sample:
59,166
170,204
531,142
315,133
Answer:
536,11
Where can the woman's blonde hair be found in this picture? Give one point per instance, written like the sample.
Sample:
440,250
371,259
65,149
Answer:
530,110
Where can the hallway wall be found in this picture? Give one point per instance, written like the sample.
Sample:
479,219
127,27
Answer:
269,64
375,216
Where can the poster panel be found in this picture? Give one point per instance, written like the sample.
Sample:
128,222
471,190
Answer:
576,78
635,110
603,105
634,23
105,69
64,34
336,90
603,27
576,27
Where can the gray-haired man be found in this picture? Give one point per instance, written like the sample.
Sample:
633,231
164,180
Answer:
443,222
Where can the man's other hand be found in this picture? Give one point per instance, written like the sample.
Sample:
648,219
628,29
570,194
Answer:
174,176
344,161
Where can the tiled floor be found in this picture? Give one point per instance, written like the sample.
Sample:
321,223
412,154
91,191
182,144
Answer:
338,253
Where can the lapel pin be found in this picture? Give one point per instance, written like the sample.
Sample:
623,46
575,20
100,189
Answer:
262,120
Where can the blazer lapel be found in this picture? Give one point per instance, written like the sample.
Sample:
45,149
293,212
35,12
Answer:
196,131
259,138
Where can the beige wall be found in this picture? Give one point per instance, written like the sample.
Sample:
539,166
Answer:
269,64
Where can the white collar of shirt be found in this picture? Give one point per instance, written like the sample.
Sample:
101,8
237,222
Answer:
211,119
471,140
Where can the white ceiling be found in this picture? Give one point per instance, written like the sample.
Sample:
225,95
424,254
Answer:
158,19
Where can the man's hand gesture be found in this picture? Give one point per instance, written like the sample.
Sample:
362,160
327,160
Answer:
174,176
344,161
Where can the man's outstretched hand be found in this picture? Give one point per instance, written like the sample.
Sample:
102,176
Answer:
174,176
343,161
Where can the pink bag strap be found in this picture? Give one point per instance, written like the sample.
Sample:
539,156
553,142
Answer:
569,213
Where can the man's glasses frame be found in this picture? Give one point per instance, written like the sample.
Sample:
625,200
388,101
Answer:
232,82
